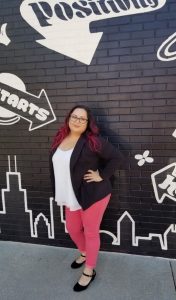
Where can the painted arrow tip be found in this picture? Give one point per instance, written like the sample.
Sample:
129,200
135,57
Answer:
82,48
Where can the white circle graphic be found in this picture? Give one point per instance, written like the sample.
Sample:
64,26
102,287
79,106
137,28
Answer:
6,116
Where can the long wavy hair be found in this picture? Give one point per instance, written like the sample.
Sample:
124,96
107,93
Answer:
91,132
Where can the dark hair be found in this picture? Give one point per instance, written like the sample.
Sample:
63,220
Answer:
91,132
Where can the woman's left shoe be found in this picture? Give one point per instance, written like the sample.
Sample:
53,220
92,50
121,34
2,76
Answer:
78,287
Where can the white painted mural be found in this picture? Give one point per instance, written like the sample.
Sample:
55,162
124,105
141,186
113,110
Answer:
4,39
65,25
49,222
142,158
11,174
164,53
16,103
165,188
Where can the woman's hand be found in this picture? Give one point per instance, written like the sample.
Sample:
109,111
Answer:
92,176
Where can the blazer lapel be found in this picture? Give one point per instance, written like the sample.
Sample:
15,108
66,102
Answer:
76,152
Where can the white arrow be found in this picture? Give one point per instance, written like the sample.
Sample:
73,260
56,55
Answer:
10,99
65,27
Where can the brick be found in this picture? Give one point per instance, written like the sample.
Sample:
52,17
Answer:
130,73
119,111
166,16
153,132
120,51
149,57
153,117
143,49
143,110
56,85
55,71
146,18
98,69
164,124
76,84
117,125
107,118
164,32
118,97
142,65
153,41
119,67
154,72
65,77
77,70
172,71
97,83
44,65
142,34
129,118
119,81
99,98
130,58
107,90
155,25
108,60
131,43
131,103
109,44
164,94
129,132
107,75
130,89
142,80
119,36
131,27
87,76
171,87
153,87
140,124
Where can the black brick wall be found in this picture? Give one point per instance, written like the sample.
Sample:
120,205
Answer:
132,94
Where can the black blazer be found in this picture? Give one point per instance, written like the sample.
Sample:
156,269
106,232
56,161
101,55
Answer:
82,159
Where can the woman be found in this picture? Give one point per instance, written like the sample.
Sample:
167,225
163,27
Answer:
81,164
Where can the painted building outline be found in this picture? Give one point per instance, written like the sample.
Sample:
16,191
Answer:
116,239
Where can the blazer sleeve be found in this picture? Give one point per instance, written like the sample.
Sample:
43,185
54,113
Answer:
51,171
112,159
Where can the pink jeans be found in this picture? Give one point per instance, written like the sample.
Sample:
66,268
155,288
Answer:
83,228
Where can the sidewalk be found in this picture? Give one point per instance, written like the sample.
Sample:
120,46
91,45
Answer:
38,272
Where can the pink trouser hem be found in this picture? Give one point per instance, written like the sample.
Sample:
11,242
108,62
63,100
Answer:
83,228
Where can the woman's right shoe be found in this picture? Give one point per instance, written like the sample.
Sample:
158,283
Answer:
78,287
76,265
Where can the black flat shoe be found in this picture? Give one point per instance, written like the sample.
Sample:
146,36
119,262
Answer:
78,287
76,265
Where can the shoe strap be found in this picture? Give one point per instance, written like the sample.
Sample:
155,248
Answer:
89,275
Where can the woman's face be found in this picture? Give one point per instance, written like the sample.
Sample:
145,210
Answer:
78,121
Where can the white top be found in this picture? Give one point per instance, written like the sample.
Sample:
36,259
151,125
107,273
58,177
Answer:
64,194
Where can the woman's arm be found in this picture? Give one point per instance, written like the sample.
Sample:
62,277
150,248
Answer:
112,157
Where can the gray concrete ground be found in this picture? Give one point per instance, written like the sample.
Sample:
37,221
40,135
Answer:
38,272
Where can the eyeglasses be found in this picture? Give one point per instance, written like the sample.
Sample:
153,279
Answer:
81,119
